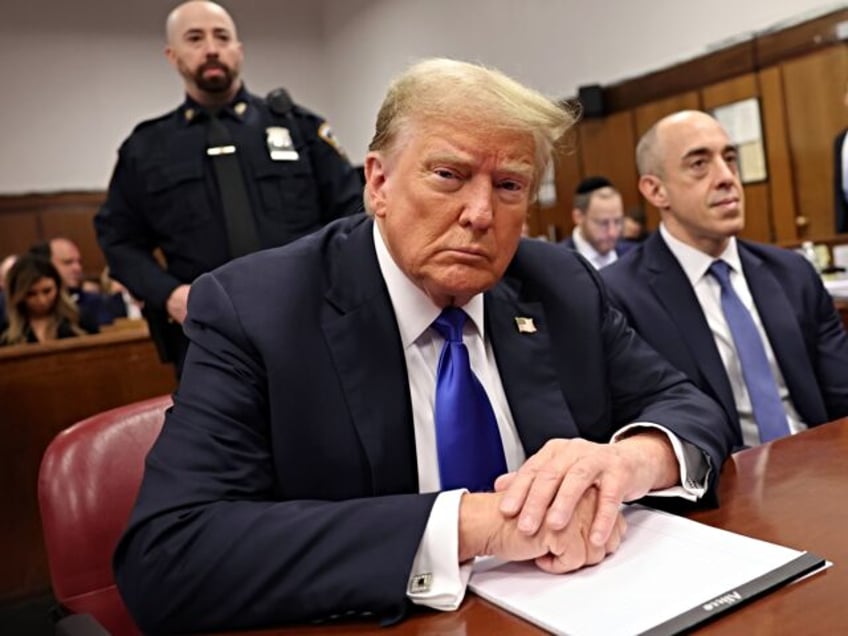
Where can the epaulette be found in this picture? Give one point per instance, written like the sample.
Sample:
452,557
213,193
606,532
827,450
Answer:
155,120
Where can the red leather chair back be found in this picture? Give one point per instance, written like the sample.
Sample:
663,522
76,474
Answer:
88,481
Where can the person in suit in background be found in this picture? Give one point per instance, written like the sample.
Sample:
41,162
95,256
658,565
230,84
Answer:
635,228
225,174
320,459
598,217
95,309
751,324
38,308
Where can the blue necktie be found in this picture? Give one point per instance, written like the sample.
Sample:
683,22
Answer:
766,404
467,437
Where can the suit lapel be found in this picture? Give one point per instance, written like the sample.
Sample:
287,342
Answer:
669,284
785,336
526,368
364,341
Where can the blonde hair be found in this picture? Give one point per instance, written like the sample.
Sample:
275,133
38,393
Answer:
444,89
27,271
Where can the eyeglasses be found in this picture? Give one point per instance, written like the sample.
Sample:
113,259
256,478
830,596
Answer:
606,224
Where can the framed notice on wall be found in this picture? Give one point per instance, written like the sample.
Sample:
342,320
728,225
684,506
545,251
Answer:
742,122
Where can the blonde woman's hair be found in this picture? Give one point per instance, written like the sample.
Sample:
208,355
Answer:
27,271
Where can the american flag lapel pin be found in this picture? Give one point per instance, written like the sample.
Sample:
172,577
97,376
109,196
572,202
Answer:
525,325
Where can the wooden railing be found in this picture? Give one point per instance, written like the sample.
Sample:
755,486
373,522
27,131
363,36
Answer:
45,388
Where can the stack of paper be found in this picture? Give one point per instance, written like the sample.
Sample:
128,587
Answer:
838,288
669,575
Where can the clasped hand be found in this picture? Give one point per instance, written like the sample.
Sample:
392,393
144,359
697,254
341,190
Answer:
562,507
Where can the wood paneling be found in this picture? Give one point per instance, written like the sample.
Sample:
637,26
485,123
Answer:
567,174
729,91
44,389
781,182
681,78
606,148
18,230
762,50
801,39
757,217
647,115
815,113
30,218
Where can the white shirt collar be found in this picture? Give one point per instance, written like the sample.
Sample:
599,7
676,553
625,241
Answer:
590,253
694,262
414,310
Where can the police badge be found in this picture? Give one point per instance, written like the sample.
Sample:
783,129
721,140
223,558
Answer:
280,147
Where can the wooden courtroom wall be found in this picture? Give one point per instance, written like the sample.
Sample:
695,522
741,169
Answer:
44,389
799,77
814,89
31,218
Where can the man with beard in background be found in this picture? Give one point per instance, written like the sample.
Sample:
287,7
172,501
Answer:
225,174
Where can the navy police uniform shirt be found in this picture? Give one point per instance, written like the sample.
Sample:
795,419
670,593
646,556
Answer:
163,192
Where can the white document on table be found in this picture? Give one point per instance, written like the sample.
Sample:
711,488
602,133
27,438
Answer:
669,575
837,287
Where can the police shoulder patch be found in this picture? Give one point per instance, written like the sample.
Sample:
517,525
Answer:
325,132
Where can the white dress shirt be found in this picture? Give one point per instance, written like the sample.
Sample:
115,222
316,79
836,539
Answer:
590,253
695,264
437,580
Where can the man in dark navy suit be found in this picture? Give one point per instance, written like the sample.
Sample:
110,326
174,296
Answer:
689,170
302,473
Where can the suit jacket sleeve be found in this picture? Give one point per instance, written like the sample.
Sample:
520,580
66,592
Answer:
647,388
212,545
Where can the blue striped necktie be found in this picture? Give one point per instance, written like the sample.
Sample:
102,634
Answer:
467,438
766,404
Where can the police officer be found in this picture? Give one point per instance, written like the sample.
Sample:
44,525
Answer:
224,174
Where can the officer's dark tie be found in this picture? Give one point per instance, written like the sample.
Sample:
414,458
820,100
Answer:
467,437
241,228
766,404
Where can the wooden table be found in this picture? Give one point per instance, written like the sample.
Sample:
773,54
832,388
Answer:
793,491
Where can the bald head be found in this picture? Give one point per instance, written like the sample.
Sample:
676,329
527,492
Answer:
651,150
689,171
204,47
191,11
66,257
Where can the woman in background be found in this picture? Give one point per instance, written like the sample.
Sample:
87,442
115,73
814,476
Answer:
37,308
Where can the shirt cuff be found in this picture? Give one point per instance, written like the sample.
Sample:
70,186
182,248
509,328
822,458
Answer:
437,579
693,462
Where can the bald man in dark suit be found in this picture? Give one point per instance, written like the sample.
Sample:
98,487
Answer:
689,171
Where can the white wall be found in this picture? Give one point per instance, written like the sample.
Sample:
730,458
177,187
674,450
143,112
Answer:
78,76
